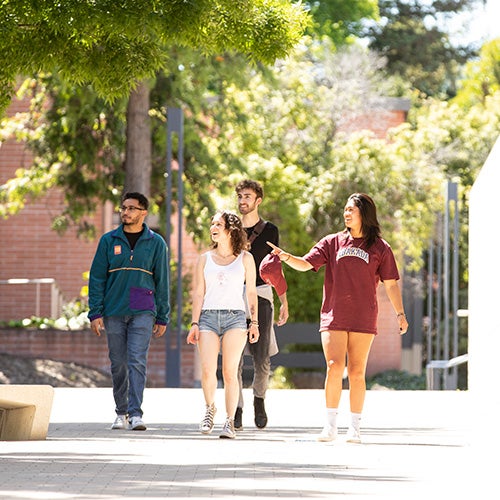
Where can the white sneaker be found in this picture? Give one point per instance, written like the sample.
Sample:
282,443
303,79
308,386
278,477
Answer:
327,434
353,435
207,424
136,424
121,422
228,431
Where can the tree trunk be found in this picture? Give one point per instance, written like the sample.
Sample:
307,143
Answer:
138,150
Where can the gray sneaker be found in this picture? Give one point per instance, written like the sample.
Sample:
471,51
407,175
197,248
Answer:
228,431
136,424
207,424
121,422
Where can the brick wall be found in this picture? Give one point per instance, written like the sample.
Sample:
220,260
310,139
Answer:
34,251
388,113
378,123
85,348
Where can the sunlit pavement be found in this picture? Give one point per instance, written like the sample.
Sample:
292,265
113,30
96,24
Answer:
416,444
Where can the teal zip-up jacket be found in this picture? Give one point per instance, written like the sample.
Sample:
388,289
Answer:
124,282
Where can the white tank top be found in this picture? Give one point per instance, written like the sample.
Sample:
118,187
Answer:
224,285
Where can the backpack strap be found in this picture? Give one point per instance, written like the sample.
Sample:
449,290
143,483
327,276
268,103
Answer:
259,227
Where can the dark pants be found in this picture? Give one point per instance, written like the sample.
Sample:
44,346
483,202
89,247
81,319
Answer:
260,353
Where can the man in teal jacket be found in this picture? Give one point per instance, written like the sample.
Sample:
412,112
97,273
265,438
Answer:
129,300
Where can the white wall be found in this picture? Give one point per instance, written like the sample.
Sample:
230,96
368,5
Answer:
484,287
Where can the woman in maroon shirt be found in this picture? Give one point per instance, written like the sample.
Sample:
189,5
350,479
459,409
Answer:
356,259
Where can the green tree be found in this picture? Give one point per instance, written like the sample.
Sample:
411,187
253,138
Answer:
115,45
341,20
87,42
481,76
78,144
285,128
79,139
453,141
417,48
136,169
295,111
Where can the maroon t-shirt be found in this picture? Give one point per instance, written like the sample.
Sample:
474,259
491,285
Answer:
351,278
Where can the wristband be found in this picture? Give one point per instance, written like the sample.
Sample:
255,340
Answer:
194,323
400,314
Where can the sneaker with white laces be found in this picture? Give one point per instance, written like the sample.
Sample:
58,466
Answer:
207,424
136,424
228,431
353,435
328,434
121,422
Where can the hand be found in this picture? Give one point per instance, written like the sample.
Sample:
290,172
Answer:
253,334
279,252
159,330
283,317
275,250
194,335
403,324
97,326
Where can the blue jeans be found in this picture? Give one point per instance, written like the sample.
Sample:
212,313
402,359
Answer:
128,344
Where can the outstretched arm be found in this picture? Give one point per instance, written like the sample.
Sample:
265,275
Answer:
297,263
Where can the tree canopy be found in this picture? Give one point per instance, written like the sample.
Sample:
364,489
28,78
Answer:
412,36
341,20
112,45
482,76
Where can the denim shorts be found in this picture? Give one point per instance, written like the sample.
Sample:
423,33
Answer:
222,320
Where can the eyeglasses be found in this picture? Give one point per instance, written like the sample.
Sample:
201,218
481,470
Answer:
130,209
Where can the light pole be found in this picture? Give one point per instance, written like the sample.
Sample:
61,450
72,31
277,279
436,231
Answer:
175,124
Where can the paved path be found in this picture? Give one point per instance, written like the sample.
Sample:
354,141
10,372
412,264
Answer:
416,444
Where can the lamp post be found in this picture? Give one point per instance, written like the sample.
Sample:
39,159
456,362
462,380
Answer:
175,124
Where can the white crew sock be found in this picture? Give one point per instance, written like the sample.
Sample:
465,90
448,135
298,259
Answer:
355,421
331,417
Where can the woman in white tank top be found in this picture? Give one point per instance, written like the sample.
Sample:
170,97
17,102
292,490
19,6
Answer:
218,316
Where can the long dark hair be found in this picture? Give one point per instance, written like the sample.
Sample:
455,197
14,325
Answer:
370,226
237,233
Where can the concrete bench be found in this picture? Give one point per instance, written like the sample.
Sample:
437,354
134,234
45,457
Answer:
25,412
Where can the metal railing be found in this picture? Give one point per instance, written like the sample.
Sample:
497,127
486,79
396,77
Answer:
56,297
433,379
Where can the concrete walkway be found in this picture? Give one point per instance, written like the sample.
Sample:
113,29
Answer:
416,444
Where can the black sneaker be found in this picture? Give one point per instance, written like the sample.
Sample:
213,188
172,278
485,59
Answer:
260,412
238,419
